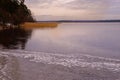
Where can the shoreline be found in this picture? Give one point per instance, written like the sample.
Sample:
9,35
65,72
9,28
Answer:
29,66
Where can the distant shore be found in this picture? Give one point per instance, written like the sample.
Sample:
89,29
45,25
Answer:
83,21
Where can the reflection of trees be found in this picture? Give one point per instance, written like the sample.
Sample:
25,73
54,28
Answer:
14,38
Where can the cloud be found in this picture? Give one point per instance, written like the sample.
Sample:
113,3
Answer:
85,4
76,8
78,4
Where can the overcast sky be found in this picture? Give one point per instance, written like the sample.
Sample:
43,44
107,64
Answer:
74,9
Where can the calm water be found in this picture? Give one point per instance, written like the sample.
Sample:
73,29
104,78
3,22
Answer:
101,39
75,51
92,38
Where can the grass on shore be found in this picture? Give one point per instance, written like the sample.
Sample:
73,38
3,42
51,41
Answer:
32,25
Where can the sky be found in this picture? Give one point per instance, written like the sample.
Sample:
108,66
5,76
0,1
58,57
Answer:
74,9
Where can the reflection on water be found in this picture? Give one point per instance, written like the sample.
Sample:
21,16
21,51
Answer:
67,51
99,39
14,38
17,38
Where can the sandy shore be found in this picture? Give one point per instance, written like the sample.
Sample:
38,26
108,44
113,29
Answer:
43,66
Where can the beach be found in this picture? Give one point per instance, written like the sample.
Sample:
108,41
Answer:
25,65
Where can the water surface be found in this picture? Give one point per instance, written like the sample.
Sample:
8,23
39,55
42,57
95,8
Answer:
69,51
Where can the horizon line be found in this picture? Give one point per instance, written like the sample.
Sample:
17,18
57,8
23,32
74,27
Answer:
112,20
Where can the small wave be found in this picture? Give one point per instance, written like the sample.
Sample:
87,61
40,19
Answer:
81,60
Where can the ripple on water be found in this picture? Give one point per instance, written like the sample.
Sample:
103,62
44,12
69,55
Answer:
81,60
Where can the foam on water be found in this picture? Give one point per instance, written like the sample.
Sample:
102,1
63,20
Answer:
68,60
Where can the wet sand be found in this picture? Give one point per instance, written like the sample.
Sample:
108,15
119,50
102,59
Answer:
25,65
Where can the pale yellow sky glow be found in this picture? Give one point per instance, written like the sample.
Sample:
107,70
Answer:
74,9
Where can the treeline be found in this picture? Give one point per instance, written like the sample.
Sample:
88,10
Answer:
14,12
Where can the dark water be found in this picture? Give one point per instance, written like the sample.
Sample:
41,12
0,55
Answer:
69,51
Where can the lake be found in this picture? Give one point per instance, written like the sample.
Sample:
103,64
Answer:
68,51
